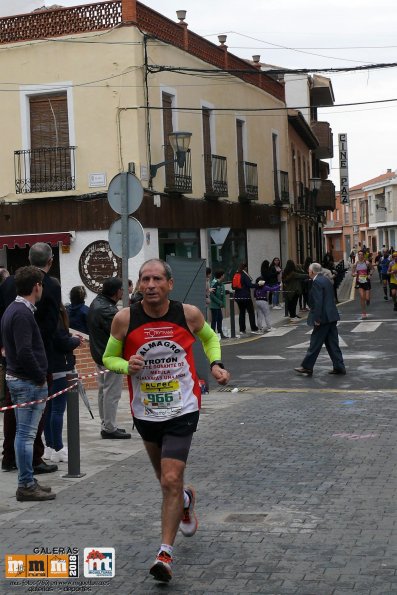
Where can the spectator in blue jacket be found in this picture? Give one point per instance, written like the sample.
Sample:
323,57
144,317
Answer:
77,310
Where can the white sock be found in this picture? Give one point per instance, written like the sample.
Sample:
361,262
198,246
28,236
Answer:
186,499
168,549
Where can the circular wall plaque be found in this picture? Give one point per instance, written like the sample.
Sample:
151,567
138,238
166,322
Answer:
97,262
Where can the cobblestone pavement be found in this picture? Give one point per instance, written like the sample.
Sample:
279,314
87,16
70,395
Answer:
296,494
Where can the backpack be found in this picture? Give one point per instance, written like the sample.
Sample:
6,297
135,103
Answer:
236,281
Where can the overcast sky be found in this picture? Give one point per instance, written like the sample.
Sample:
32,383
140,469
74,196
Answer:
308,34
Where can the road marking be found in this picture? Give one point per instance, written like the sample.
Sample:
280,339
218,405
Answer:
306,344
279,332
307,390
359,356
260,357
376,320
366,327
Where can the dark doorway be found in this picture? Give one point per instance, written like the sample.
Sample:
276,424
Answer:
19,257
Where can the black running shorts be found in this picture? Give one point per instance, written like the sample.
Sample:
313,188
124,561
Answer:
162,432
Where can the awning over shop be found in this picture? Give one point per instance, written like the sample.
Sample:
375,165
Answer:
23,240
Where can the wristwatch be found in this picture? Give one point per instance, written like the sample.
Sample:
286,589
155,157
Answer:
217,362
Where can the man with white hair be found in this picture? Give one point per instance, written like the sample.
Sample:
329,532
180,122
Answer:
323,316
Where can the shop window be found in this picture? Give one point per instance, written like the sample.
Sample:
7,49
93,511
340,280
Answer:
228,247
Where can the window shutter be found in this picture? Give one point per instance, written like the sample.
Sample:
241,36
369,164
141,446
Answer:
49,125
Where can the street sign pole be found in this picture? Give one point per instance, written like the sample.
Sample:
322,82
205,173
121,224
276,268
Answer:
124,235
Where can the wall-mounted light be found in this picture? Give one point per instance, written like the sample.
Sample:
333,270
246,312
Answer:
180,142
315,184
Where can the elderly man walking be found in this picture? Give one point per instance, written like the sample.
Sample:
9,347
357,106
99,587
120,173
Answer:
323,316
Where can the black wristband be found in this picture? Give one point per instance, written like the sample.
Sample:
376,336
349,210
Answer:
217,362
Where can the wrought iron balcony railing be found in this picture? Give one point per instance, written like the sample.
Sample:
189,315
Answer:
248,180
281,190
48,169
178,180
215,168
299,198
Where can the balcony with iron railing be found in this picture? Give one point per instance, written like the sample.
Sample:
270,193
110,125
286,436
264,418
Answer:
281,190
178,180
47,169
215,168
248,181
299,198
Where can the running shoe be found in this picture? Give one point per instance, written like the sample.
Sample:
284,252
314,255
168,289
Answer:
162,567
189,522
363,316
276,307
48,452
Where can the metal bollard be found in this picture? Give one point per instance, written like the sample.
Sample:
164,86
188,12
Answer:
232,320
73,428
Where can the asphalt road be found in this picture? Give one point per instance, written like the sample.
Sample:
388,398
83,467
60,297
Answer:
369,350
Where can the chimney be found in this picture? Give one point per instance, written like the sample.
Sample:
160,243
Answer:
388,171
128,11
181,14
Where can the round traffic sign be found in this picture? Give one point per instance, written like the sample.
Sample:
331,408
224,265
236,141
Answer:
134,192
135,237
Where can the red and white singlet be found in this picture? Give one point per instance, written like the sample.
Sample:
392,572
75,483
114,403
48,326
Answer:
167,386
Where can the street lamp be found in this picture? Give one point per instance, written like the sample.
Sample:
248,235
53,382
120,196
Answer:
315,185
180,142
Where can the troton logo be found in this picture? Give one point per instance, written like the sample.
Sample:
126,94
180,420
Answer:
163,332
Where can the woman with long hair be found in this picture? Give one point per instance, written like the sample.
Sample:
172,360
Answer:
304,299
292,284
243,299
275,271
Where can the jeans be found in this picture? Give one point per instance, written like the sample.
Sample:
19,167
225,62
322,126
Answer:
27,419
54,415
216,320
274,298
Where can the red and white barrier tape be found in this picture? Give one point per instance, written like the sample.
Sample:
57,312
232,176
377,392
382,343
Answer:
50,397
20,405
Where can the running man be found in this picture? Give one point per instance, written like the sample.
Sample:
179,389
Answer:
152,341
384,263
362,270
392,271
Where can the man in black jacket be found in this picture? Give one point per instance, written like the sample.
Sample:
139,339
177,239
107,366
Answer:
100,316
47,313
